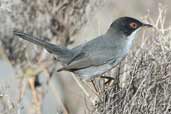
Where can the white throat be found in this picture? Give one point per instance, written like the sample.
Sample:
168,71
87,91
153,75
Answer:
131,38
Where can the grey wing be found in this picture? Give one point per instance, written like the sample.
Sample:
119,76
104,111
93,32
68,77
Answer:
94,53
85,62
85,59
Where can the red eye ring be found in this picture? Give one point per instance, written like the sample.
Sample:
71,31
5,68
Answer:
133,25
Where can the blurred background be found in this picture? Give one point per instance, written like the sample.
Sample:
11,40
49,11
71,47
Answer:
29,83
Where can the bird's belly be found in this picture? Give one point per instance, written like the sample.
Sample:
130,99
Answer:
93,71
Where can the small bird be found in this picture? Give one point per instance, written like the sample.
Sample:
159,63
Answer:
97,56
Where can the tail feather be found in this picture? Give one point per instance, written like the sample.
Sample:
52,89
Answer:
60,51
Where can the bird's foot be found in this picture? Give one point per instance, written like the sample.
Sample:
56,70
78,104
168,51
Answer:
109,79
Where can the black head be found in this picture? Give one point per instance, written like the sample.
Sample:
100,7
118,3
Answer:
127,25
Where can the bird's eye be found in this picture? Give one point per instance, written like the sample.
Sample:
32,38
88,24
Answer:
133,25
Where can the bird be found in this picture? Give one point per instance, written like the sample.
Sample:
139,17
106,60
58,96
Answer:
97,56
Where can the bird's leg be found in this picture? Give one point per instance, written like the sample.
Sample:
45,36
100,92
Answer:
94,86
82,84
93,89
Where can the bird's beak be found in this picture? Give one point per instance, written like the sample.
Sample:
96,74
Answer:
147,25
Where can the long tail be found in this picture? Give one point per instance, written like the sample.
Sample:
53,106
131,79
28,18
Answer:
60,51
